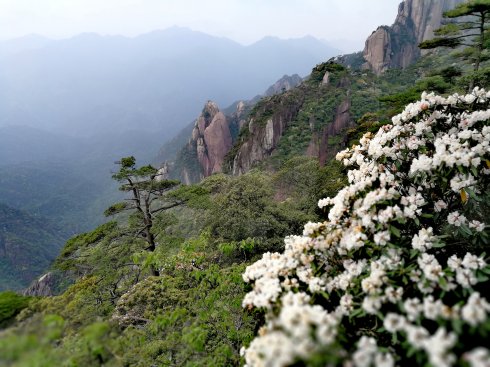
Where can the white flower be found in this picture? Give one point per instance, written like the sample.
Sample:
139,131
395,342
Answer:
478,357
384,360
394,322
413,308
474,262
382,238
423,240
439,205
365,247
456,219
416,335
475,310
371,304
324,202
394,295
438,346
479,226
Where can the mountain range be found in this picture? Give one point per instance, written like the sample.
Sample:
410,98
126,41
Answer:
91,84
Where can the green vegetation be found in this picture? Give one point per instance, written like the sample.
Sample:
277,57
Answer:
10,305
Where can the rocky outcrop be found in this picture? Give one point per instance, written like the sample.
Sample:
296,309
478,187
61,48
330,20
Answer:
326,143
42,287
214,134
326,78
217,138
397,46
342,121
212,138
164,171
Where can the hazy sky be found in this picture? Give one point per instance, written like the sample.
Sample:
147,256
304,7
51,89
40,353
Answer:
245,21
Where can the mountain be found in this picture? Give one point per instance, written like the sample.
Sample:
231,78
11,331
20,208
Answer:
215,132
313,118
65,195
71,108
28,245
91,84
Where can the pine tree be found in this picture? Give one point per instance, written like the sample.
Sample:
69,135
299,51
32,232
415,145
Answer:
146,189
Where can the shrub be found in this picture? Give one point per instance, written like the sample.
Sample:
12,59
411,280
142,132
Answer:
10,305
398,273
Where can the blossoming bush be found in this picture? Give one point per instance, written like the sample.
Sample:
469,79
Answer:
398,273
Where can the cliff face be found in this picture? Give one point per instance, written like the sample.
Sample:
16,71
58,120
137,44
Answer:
264,134
42,287
313,116
213,138
397,46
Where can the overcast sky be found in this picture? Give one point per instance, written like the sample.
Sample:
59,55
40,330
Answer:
245,21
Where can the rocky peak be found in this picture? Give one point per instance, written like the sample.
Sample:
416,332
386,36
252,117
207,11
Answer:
211,140
207,115
397,46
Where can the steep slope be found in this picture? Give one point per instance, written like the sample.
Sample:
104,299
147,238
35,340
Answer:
27,247
311,116
396,46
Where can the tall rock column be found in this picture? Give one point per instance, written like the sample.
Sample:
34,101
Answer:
397,46
211,140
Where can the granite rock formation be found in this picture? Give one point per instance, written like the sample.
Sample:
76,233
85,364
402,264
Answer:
397,46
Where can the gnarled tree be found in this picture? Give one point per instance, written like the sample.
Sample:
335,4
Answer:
146,188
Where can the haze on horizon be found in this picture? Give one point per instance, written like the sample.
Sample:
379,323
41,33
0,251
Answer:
345,24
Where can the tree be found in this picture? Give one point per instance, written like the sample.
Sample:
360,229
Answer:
146,189
469,28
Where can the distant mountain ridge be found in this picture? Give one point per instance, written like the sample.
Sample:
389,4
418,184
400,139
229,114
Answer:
92,84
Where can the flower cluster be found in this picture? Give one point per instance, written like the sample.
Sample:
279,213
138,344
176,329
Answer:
402,248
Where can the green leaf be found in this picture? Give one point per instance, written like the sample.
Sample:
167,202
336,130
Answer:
395,231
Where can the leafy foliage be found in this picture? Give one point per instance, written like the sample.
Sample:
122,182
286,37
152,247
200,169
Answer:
10,305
